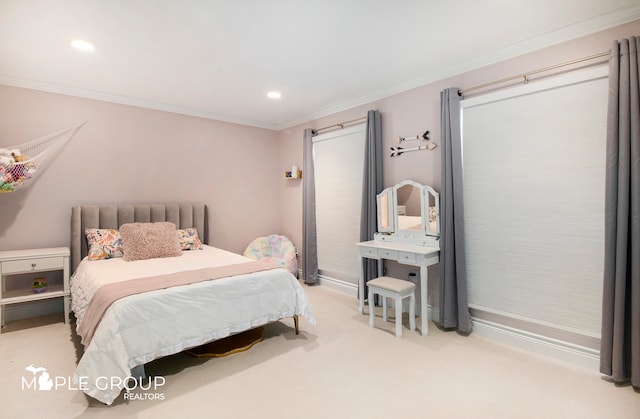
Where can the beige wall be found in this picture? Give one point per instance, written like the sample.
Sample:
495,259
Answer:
126,154
412,112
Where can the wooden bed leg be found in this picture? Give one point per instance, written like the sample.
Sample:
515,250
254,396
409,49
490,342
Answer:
295,322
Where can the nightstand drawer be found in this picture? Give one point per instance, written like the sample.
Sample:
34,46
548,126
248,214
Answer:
32,265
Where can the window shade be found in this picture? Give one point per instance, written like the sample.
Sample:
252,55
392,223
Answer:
339,165
533,161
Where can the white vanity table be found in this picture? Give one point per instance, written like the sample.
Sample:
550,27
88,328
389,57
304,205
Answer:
411,238
408,254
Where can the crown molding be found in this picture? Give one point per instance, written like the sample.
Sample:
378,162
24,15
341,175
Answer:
124,100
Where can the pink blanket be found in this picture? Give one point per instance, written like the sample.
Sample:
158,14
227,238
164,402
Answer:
110,293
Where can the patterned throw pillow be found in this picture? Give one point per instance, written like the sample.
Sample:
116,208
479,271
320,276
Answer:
189,239
104,243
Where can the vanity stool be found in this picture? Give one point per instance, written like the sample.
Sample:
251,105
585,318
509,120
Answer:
398,289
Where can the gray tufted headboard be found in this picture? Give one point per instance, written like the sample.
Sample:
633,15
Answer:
113,216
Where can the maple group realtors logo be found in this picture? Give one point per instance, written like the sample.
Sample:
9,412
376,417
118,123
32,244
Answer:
135,389
41,380
44,381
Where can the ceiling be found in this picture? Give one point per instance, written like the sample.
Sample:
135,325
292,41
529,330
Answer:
218,59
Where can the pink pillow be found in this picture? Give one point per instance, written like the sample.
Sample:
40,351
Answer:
149,240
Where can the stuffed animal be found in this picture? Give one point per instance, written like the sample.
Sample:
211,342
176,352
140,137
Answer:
6,156
6,180
14,169
6,187
5,176
18,158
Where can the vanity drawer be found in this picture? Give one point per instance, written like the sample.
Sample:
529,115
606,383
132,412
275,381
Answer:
404,257
32,265
388,254
369,252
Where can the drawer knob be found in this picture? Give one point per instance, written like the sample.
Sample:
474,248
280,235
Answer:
33,265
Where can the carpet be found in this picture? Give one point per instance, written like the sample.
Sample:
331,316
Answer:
230,345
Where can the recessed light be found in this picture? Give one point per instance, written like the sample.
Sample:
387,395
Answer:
82,45
274,95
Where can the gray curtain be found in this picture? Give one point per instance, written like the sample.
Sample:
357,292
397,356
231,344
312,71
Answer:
371,186
309,236
454,309
620,342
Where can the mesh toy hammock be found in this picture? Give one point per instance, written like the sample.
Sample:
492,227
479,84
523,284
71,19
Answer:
21,164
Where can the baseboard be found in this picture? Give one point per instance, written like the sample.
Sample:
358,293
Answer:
34,309
575,354
342,287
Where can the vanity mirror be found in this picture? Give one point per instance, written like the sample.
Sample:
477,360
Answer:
409,213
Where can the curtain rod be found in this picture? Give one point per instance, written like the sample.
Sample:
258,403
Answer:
525,76
342,124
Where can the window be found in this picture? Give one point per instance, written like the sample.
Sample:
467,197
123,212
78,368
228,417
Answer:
533,162
339,166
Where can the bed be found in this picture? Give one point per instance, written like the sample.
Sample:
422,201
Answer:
408,222
232,294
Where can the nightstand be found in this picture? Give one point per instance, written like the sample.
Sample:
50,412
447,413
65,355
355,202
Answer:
16,262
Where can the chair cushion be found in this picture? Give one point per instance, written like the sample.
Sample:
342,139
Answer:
276,247
392,284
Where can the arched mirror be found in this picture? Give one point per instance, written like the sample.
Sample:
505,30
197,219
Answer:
409,213
409,204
